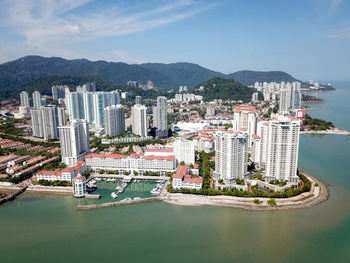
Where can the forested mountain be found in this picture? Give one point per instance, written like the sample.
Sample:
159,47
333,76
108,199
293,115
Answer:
249,77
165,77
219,88
183,73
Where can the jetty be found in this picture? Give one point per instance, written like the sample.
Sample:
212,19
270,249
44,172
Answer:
12,196
119,203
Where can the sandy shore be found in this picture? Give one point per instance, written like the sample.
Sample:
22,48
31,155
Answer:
335,131
316,196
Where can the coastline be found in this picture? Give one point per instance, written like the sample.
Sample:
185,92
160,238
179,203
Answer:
317,195
334,131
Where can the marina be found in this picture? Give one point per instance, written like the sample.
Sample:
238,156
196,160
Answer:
115,188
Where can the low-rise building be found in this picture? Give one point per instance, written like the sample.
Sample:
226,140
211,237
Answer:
66,174
134,162
183,179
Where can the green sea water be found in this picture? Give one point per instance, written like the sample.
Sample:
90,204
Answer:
50,229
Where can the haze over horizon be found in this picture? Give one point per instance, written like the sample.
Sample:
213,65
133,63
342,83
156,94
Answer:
308,39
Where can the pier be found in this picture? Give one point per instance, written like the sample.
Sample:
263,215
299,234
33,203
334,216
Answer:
12,196
119,203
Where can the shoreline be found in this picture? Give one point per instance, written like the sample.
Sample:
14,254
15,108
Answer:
334,131
316,196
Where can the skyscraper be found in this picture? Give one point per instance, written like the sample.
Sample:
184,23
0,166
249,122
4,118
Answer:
50,122
139,120
295,98
58,92
45,122
282,149
37,123
231,156
24,99
75,143
184,151
138,100
245,120
161,117
90,105
61,116
114,120
36,100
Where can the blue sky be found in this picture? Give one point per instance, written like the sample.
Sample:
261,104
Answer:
309,39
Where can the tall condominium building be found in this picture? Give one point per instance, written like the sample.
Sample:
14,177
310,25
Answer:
37,123
75,143
255,97
245,120
90,105
138,100
88,87
45,122
139,120
24,99
282,149
36,100
50,122
231,156
114,120
259,144
295,98
290,97
161,117
61,116
184,151
284,101
58,92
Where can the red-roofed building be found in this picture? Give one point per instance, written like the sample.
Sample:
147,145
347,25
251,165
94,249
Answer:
183,179
66,174
139,163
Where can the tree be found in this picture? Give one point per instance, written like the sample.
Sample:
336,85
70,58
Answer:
271,202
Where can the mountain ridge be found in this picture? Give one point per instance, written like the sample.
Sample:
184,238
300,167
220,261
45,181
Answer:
166,77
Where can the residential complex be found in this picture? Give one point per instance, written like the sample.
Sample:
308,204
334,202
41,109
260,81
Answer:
184,151
45,122
139,120
114,120
36,100
231,156
75,142
160,117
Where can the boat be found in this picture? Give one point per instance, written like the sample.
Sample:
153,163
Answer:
156,191
114,195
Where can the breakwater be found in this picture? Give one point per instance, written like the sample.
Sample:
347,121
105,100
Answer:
12,196
118,203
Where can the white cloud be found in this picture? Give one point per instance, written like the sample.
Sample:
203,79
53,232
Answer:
72,28
49,25
342,33
333,6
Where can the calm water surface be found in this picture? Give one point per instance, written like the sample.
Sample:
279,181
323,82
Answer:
49,228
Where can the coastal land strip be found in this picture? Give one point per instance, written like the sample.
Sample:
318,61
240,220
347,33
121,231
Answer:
334,131
317,194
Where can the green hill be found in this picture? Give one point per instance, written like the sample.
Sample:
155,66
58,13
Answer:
219,88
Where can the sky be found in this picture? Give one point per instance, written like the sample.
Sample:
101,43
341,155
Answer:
310,39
